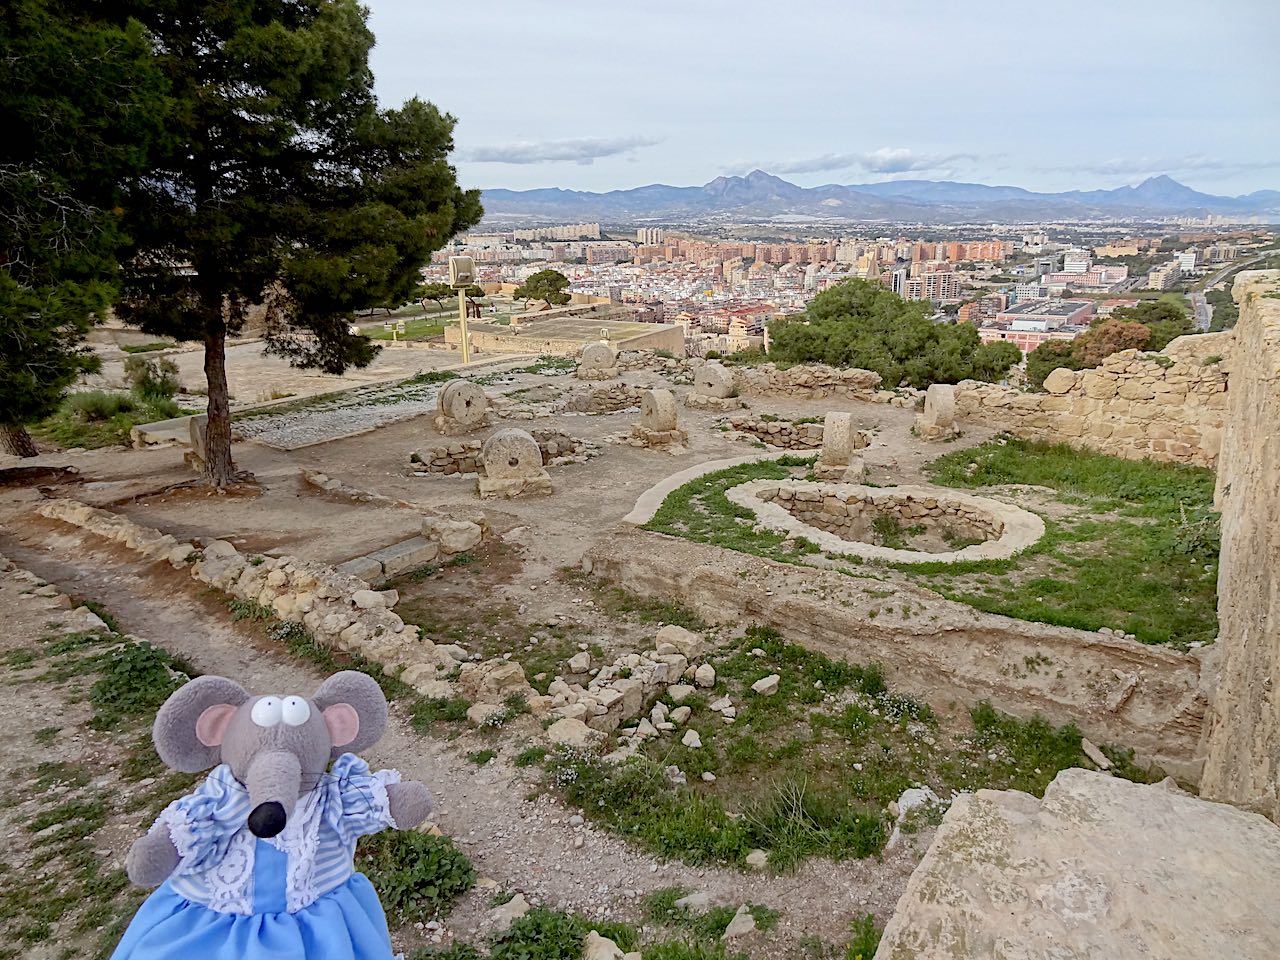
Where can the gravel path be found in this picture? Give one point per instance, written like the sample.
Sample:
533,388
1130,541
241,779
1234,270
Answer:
517,844
355,412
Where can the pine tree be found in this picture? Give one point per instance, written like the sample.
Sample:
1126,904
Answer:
80,103
285,186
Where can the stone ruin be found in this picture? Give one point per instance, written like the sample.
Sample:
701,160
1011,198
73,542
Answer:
714,388
658,428
599,361
938,421
777,432
839,459
462,408
197,456
463,457
607,399
512,466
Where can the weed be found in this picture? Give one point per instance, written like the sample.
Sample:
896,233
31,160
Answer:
481,757
430,711
531,756
865,940
46,735
136,679
542,934
418,876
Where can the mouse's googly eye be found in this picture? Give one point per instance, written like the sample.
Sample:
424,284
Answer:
296,711
267,712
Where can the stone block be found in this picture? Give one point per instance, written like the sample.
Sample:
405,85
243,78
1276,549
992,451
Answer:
405,556
1060,381
1100,867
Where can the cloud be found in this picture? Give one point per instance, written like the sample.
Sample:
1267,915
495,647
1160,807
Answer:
1146,166
885,160
582,150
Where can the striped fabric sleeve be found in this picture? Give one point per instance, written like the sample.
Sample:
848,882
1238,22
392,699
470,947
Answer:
365,807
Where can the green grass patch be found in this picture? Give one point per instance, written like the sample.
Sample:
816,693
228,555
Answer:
1138,552
1135,549
810,770
418,876
417,328
481,757
543,934
865,938
146,347
98,418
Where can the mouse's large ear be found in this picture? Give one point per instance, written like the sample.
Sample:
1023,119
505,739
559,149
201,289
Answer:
355,710
190,725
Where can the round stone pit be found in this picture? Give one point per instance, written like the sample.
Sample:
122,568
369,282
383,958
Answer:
939,524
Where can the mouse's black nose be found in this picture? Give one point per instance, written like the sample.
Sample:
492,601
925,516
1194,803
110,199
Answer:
267,819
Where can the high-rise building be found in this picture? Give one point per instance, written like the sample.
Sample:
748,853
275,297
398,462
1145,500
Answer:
651,236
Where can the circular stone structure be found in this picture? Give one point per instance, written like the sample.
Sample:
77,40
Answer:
658,410
713,380
463,401
839,516
511,454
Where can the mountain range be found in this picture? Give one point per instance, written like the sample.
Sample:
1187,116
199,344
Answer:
760,195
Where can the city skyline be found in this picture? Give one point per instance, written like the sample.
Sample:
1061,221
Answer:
610,98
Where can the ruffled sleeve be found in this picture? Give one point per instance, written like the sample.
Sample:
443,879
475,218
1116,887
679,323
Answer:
358,803
202,824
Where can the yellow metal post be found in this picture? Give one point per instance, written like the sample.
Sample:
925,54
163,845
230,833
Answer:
462,319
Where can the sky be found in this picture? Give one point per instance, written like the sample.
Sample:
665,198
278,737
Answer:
591,95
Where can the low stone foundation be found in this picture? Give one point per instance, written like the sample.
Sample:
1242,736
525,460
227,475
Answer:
610,399
1115,690
699,401
1169,406
558,448
780,433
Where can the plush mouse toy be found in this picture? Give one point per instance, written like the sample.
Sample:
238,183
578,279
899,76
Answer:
257,862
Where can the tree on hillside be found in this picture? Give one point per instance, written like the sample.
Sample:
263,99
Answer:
80,102
545,285
1111,337
861,324
1167,319
283,185
438,292
1148,326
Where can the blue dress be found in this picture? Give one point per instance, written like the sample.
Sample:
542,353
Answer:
235,896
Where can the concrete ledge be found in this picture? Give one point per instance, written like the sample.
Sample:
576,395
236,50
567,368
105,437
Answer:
649,502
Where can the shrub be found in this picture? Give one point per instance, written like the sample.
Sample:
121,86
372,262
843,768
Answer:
417,876
861,324
152,380
97,405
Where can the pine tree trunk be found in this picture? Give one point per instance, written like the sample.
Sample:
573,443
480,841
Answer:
219,467
15,440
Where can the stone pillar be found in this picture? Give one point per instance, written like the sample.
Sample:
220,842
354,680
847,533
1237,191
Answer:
599,361
658,426
462,407
839,458
938,421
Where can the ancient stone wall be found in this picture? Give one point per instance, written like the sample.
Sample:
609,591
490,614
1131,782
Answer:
1243,742
780,433
1169,406
1115,690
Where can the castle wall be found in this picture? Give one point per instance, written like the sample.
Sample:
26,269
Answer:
1243,740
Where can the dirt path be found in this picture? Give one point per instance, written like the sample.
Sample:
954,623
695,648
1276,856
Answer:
521,845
